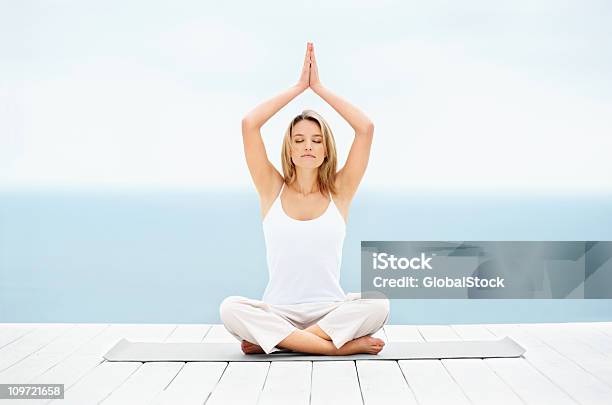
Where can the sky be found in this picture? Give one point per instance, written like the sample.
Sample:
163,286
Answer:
474,95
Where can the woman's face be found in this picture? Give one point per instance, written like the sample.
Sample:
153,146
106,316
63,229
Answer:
307,148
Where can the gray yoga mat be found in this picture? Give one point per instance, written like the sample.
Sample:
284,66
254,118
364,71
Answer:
125,350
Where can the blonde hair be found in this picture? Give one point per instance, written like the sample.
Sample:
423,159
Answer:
327,171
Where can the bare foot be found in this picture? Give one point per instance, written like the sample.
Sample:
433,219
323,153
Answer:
364,344
250,348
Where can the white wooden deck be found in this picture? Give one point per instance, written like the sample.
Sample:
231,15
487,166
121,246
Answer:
569,363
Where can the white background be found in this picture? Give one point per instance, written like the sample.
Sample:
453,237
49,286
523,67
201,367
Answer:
464,95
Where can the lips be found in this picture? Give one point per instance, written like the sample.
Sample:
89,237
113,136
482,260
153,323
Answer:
311,156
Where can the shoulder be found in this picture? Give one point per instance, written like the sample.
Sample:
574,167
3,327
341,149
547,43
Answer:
342,198
270,195
343,192
266,200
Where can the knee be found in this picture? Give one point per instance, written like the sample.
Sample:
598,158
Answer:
378,310
228,308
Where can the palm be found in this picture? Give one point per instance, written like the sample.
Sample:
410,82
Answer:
304,82
314,69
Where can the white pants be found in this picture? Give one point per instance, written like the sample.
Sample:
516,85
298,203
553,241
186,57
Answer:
268,324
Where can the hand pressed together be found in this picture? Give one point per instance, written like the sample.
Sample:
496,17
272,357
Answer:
309,76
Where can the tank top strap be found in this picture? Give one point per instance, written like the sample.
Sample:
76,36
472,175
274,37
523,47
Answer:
278,198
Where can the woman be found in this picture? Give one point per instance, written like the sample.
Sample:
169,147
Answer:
304,217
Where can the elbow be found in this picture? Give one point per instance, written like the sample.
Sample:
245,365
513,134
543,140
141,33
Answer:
247,123
369,128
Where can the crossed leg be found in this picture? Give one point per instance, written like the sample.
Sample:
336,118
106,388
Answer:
308,341
358,318
251,348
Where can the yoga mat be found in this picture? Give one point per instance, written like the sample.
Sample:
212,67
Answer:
124,350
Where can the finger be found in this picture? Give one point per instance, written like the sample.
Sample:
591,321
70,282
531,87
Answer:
307,56
309,74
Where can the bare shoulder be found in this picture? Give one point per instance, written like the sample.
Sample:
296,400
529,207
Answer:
344,192
342,197
267,196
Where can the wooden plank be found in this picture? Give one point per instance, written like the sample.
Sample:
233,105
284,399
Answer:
588,334
98,384
335,383
288,382
38,361
241,383
134,332
188,333
431,383
68,371
189,388
435,333
152,378
428,379
218,334
32,366
29,343
89,355
192,385
584,334
593,361
382,382
398,333
529,384
146,332
478,382
195,380
73,368
84,358
581,386
605,327
70,341
553,360
144,384
473,332
11,333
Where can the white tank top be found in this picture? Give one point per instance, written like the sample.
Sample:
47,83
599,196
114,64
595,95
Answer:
304,257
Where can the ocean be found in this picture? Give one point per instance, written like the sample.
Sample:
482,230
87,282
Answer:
172,256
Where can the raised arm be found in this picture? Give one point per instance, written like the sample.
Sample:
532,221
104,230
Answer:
262,171
349,177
